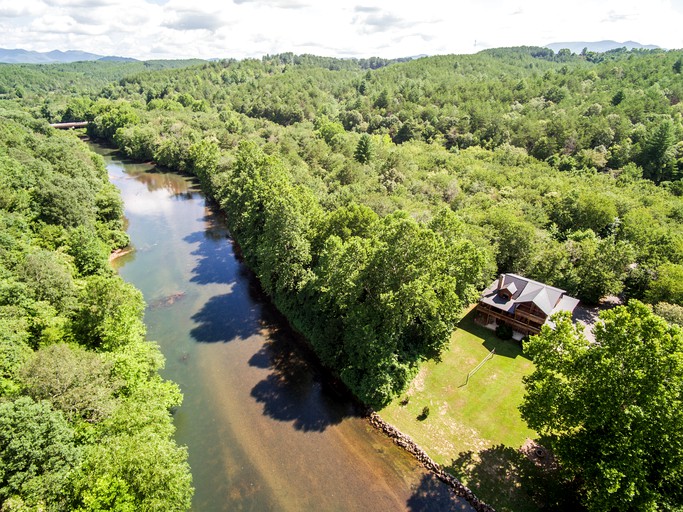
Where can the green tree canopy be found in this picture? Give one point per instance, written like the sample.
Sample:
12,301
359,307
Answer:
363,153
48,276
610,410
667,286
37,456
109,313
658,157
76,381
149,471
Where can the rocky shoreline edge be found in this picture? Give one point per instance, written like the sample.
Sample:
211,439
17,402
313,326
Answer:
405,442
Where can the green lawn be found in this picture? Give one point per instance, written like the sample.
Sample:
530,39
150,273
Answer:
473,429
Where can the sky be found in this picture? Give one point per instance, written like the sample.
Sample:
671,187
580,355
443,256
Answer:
165,29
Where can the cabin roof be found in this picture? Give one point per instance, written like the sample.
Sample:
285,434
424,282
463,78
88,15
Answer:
547,298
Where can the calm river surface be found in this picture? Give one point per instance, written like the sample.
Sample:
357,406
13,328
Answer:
264,429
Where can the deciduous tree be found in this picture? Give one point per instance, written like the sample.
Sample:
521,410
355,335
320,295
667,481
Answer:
38,456
610,409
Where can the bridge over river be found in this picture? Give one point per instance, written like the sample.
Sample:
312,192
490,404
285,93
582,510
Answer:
69,126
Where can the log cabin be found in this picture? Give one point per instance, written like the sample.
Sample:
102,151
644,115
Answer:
523,304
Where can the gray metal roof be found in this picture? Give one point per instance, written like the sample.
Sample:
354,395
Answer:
547,298
512,288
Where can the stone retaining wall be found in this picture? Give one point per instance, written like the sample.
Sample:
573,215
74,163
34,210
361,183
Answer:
408,444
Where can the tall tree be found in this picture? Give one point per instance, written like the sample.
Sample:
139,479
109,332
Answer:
610,410
363,153
657,157
667,286
38,457
77,382
600,265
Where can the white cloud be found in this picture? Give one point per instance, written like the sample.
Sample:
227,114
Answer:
81,4
279,4
60,24
194,21
14,9
243,28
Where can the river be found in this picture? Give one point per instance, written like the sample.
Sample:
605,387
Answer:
264,427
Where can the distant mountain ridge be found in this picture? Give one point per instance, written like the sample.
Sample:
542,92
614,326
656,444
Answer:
19,56
599,46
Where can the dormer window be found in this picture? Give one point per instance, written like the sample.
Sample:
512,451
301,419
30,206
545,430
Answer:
523,303
507,291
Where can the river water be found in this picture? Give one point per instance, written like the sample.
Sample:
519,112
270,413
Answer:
265,429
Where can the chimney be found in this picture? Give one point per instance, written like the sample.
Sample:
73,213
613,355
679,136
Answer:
500,281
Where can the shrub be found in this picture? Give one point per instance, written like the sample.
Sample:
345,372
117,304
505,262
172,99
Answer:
504,332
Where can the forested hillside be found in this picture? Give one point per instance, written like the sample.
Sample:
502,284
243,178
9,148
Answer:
48,84
374,199
84,416
374,203
599,111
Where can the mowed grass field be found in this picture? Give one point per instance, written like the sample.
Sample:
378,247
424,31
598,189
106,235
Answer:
474,424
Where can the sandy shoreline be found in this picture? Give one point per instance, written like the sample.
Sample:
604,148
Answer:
120,252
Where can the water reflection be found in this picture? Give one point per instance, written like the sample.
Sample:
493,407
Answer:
266,428
156,179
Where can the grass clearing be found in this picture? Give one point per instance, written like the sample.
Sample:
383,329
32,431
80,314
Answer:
475,430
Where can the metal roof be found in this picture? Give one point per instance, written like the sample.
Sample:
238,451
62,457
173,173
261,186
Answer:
547,298
512,288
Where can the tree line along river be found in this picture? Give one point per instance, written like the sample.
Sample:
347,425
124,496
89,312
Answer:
265,427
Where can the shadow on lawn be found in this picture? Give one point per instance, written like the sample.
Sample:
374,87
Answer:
509,481
506,348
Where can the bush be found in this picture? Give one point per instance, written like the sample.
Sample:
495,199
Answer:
504,332
672,313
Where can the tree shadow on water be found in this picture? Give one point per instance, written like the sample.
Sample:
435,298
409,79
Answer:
298,390
433,495
261,359
216,262
509,481
226,318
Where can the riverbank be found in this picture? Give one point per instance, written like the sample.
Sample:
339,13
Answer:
118,253
474,428
265,427
406,442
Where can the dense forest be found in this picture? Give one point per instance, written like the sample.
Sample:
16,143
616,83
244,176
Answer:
374,199
335,177
84,415
565,168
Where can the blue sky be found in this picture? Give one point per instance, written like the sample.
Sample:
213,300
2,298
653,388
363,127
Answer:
250,28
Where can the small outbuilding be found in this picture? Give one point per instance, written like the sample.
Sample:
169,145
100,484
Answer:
523,304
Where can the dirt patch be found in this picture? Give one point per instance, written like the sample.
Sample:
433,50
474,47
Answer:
418,383
539,455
